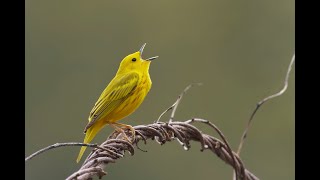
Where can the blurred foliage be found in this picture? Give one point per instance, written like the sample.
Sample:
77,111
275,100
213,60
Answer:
239,50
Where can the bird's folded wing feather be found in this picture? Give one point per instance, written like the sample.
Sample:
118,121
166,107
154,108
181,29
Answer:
115,93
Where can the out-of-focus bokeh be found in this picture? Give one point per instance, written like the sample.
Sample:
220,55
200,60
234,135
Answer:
239,50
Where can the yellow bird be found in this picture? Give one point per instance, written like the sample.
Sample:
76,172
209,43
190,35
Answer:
121,97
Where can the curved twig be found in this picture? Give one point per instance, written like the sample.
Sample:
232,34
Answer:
60,145
259,104
174,106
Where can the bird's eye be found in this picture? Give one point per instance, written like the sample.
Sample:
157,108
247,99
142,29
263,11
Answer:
134,59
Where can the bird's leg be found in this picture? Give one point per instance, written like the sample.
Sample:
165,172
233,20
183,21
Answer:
121,131
133,132
115,126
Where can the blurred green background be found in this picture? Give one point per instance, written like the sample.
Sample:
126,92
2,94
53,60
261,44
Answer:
239,50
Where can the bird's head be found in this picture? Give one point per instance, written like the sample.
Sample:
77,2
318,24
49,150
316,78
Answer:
135,62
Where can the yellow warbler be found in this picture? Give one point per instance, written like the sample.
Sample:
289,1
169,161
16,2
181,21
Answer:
121,97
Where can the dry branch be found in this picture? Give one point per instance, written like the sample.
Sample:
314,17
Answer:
260,103
162,133
56,145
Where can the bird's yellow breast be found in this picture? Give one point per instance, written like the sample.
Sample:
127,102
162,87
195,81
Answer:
133,101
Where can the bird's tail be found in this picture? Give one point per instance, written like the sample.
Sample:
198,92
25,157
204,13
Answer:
90,134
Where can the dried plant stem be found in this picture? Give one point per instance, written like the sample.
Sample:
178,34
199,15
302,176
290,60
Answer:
224,140
116,145
259,104
174,106
60,145
162,133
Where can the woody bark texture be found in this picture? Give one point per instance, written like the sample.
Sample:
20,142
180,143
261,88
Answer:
117,144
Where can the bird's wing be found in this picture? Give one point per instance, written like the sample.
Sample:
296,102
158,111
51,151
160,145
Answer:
115,93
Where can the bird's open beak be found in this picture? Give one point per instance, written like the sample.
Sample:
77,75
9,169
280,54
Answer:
141,50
